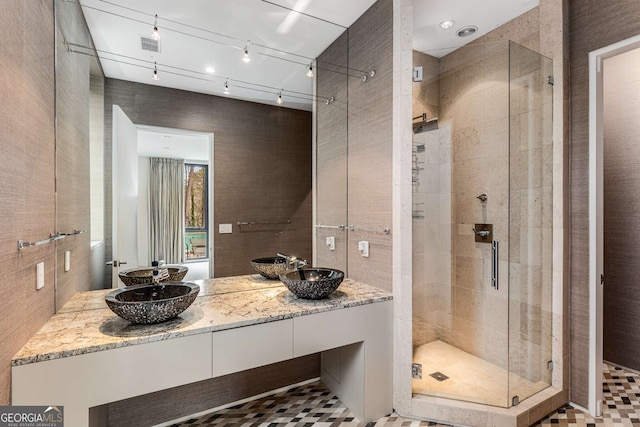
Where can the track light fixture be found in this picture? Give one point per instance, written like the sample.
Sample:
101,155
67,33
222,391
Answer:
310,71
155,34
245,57
81,49
155,72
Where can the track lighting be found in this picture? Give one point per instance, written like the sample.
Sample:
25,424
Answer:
246,58
155,72
310,72
279,100
226,87
155,34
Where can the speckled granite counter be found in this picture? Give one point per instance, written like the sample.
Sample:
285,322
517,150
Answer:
86,325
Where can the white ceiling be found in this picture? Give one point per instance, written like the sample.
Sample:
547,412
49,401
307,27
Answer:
196,34
487,15
191,146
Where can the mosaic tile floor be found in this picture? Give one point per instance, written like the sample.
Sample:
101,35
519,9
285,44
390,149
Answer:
621,407
313,405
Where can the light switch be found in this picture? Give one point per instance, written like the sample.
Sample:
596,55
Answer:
67,260
363,247
331,243
40,275
225,228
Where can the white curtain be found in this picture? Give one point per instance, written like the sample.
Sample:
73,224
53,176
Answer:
166,210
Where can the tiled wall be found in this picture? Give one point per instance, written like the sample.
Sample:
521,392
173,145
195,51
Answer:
370,144
366,181
594,24
475,105
621,86
27,174
494,125
331,154
262,166
72,153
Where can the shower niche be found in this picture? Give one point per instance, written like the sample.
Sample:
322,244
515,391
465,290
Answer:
473,340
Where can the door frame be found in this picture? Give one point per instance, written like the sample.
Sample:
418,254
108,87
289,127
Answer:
210,180
596,220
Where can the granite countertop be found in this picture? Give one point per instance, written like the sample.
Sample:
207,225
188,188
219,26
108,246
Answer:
86,325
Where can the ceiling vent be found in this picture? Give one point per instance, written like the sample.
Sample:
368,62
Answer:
149,44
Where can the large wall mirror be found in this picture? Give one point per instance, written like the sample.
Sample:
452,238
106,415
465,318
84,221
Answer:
247,165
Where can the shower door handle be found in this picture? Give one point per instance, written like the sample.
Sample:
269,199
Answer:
495,251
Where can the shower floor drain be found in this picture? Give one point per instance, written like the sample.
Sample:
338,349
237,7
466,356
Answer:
439,376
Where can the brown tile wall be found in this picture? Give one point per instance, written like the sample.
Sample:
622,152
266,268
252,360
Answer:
621,337
370,144
593,25
27,173
354,144
72,153
331,153
262,169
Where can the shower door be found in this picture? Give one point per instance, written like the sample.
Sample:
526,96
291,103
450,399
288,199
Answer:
530,235
474,335
461,193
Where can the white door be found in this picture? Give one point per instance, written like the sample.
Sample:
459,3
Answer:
125,194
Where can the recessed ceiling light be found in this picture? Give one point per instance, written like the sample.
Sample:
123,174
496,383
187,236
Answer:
467,31
445,25
210,70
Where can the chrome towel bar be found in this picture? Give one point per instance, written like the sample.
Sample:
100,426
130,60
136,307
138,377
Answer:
52,238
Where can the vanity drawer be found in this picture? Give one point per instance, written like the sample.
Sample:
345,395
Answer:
244,348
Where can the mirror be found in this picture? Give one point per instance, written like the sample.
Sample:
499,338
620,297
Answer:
261,171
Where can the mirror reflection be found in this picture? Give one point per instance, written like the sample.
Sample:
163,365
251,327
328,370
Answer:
195,80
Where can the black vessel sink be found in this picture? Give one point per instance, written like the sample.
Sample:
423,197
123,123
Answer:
144,275
312,283
152,303
270,267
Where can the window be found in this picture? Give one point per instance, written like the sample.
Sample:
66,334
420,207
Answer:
196,212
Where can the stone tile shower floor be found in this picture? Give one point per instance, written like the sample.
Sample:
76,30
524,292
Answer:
314,405
470,378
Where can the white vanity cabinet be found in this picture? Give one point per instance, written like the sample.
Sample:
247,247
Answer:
355,339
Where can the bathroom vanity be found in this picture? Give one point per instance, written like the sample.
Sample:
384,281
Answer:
86,356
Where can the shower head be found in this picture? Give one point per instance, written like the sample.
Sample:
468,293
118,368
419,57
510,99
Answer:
424,125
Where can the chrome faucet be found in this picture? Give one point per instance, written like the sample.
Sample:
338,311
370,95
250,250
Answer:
292,262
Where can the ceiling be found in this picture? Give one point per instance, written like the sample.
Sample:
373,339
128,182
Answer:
196,34
486,15
176,144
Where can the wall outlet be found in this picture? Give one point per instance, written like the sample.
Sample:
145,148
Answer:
363,247
67,260
40,275
331,243
225,228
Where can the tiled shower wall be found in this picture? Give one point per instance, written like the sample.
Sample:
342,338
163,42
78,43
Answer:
469,155
431,211
474,103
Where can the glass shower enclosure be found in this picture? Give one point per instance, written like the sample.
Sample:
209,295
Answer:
482,225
